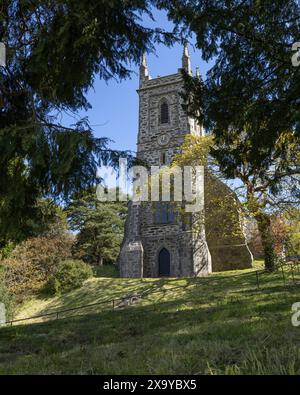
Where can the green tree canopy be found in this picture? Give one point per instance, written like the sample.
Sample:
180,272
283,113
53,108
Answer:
253,83
100,227
55,50
262,193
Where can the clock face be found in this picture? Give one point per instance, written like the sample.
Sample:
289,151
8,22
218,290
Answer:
163,139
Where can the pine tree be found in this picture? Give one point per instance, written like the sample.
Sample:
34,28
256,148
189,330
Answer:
55,50
100,227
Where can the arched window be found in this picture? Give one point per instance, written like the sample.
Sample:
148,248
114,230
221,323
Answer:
163,158
164,112
164,213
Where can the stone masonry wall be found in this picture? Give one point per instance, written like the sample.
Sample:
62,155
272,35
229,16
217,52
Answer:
144,239
224,233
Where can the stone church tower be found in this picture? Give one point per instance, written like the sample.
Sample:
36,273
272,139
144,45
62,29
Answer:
158,242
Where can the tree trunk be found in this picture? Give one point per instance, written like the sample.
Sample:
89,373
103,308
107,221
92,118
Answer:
100,260
264,227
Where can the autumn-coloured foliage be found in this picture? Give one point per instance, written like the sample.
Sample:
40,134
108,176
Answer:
32,263
285,233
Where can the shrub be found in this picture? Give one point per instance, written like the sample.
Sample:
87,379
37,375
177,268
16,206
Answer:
70,275
33,262
6,250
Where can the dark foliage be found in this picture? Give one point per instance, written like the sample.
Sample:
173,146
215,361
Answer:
55,51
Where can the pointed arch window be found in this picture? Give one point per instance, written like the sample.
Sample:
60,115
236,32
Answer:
164,213
164,112
163,158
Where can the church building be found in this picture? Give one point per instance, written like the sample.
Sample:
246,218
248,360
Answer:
157,241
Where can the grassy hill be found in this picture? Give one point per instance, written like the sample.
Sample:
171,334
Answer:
221,324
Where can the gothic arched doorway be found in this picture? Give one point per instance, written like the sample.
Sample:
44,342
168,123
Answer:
164,263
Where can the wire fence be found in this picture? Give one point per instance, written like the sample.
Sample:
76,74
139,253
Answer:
113,303
288,272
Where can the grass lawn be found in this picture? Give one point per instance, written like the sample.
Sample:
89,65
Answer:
221,324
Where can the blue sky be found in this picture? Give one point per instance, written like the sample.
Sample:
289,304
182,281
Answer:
114,112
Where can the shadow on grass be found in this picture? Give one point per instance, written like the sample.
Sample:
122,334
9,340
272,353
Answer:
219,324
223,332
107,289
107,270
